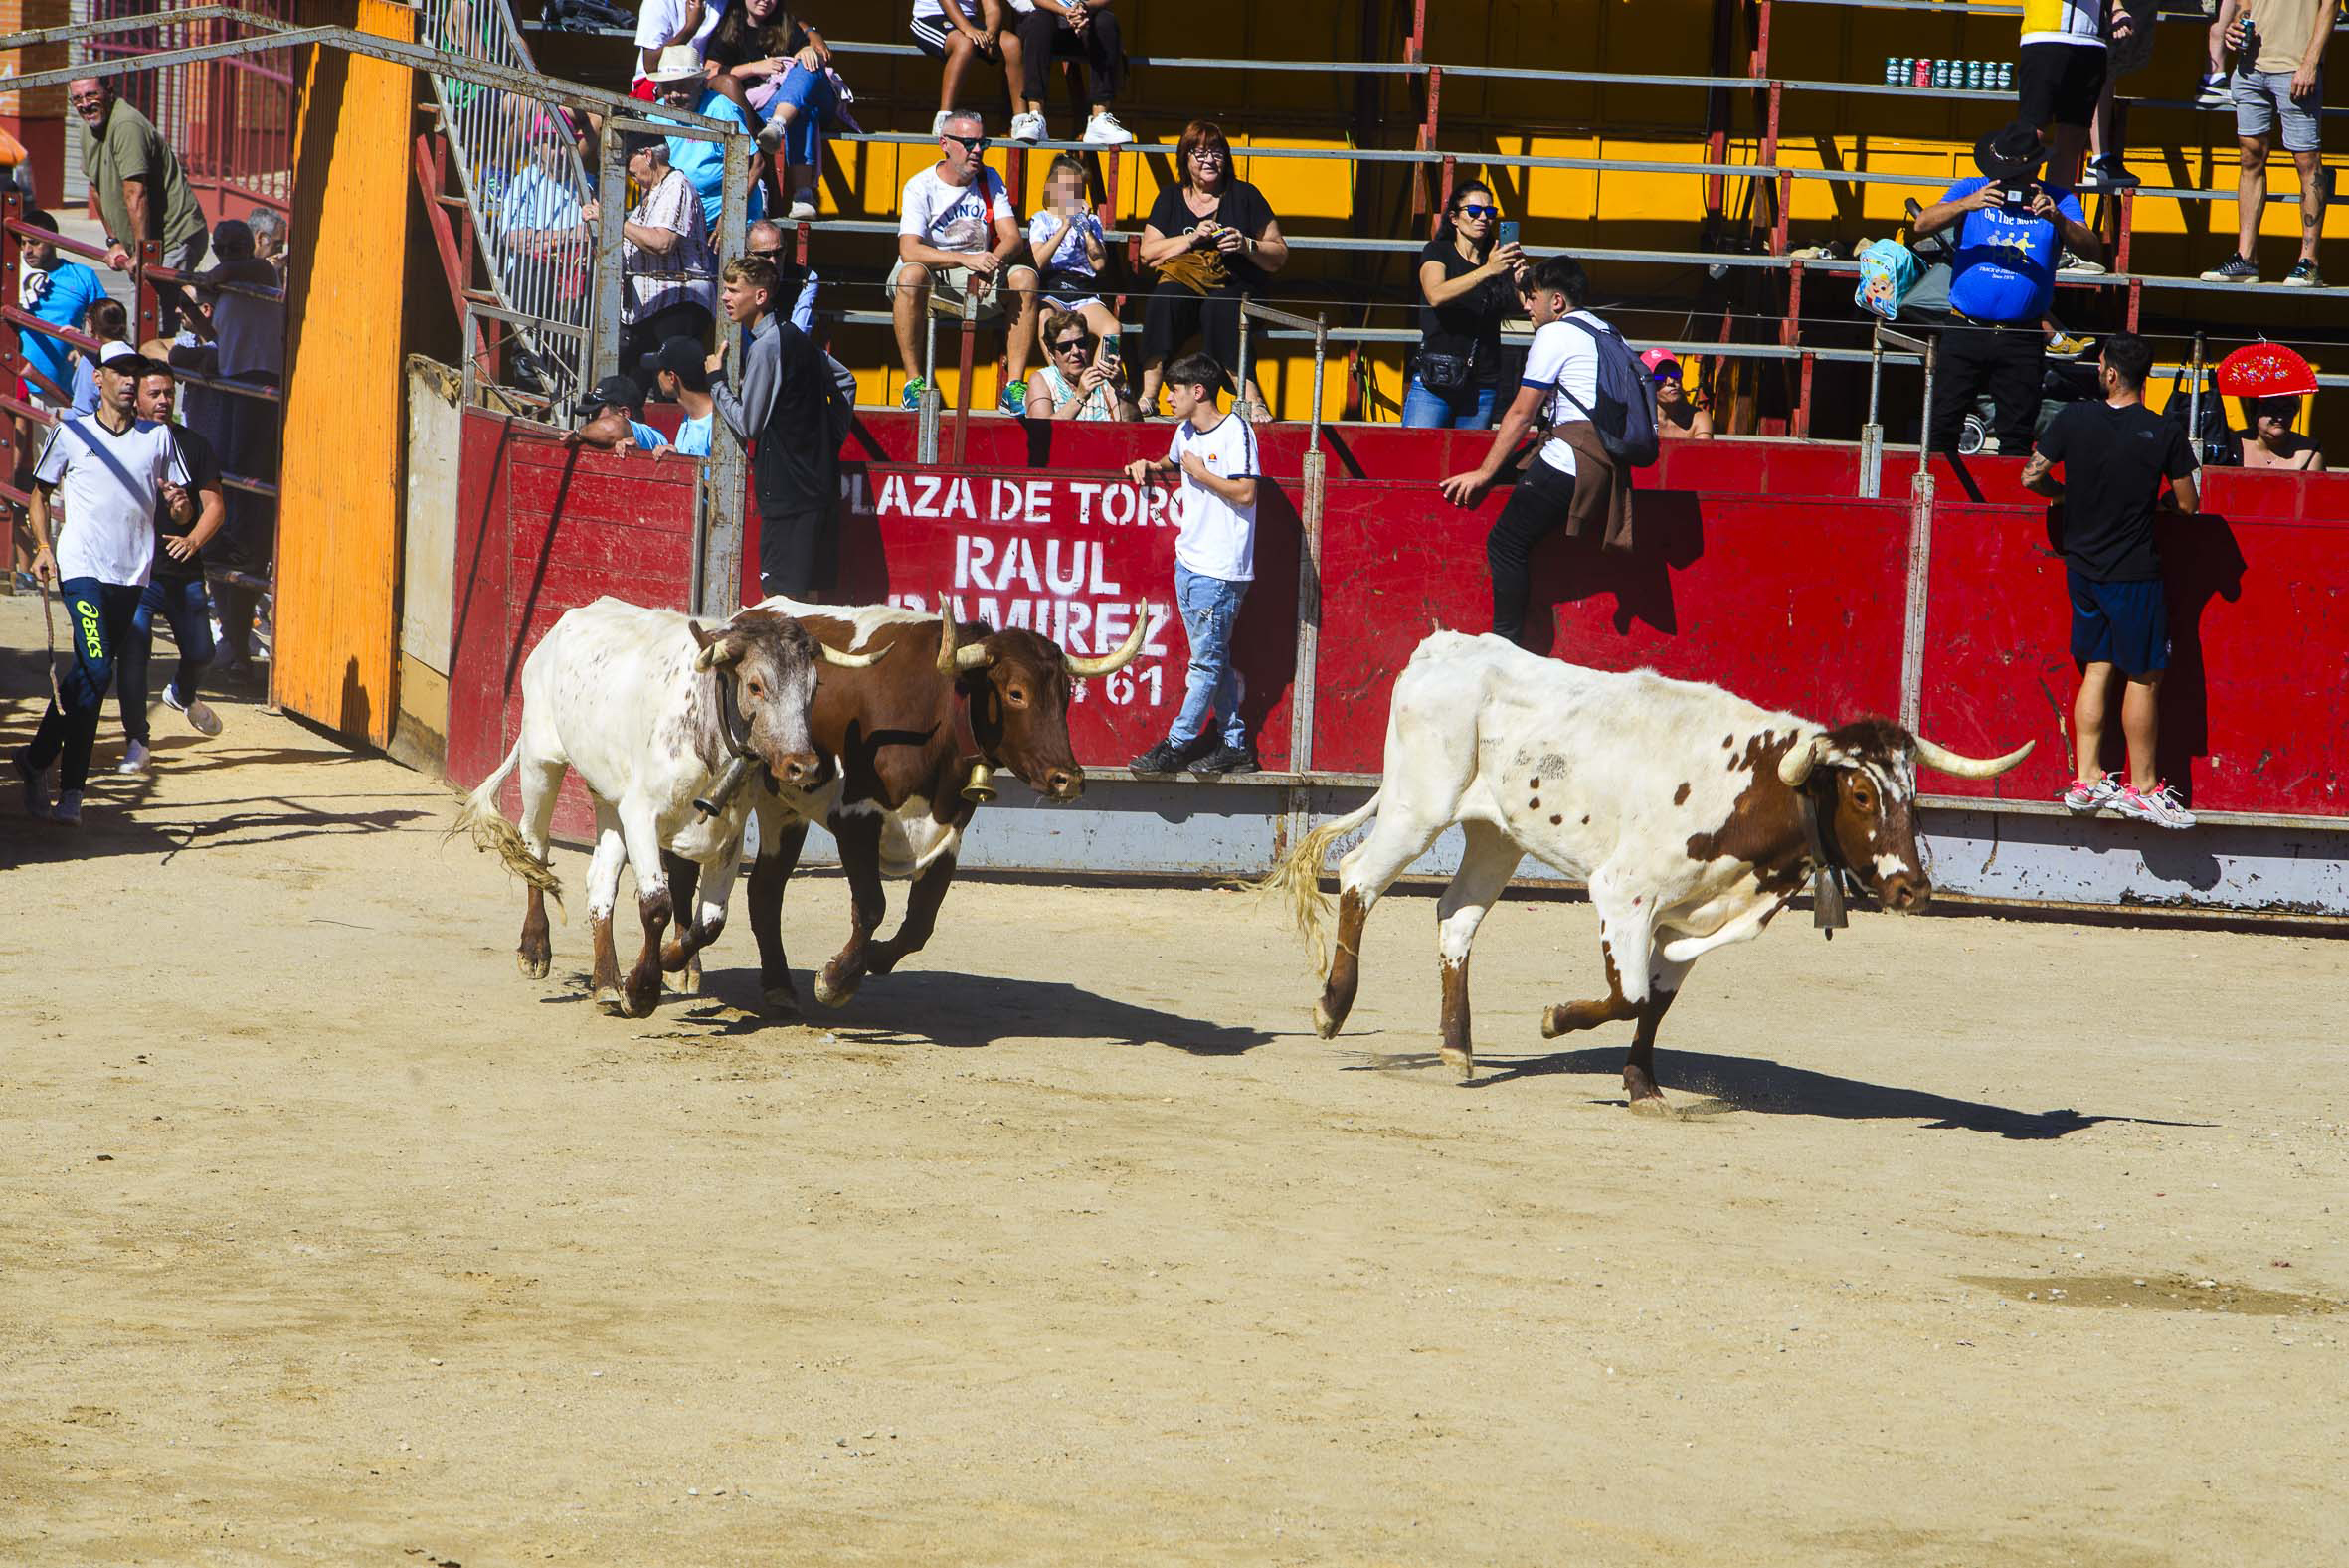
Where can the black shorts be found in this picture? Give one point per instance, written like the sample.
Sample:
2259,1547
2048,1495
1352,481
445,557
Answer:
2059,84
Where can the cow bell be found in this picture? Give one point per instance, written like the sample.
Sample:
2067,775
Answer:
980,788
727,782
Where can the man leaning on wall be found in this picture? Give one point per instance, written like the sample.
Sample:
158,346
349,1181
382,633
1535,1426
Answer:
142,193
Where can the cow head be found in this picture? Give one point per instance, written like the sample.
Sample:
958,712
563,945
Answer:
763,669
1017,685
1861,779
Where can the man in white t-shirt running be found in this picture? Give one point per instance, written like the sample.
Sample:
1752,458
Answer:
1215,562
1560,381
956,232
109,468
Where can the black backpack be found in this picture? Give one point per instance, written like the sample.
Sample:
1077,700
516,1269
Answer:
1625,418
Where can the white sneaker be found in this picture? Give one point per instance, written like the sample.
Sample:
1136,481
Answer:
134,758
1103,131
68,809
938,122
2086,797
200,718
2159,805
1028,127
36,803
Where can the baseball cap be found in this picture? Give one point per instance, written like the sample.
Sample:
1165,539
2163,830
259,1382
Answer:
114,349
683,358
616,392
1659,361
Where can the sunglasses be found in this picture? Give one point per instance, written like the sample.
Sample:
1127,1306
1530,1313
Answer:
1473,211
975,144
1074,345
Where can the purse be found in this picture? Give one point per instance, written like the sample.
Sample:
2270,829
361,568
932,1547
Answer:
1200,272
1439,372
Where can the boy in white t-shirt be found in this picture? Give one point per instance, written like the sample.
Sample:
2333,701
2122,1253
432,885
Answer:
1558,385
1215,562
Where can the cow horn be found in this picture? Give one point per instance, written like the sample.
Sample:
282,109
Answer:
946,638
1796,765
1942,760
853,661
720,650
973,658
1084,668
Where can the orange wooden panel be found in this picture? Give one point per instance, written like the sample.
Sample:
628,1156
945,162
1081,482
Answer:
338,532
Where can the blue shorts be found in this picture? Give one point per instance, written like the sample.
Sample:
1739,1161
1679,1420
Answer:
2124,625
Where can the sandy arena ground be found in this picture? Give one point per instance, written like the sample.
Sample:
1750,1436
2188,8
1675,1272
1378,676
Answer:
329,1239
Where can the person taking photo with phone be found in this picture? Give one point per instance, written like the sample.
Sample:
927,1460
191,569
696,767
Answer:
2011,227
1468,279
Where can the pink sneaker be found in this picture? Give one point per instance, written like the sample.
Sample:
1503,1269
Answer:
2086,799
2159,805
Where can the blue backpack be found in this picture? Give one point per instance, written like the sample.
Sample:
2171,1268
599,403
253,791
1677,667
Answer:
1625,418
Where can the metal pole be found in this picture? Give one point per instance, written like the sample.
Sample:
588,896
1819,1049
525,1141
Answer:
466,376
926,428
717,556
1924,436
2194,402
1321,360
1871,434
612,200
970,338
1239,390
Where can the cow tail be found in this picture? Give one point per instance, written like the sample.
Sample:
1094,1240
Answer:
1297,878
493,834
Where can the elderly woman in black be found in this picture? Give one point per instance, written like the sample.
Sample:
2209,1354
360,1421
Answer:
1212,239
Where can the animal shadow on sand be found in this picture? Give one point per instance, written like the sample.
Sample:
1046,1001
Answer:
961,1011
1757,1084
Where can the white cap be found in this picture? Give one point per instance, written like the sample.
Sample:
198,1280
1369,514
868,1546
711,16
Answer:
112,350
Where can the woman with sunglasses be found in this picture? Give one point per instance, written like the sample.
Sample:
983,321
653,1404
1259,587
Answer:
1468,287
1212,239
1071,386
1677,414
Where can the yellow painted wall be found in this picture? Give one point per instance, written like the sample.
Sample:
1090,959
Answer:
338,535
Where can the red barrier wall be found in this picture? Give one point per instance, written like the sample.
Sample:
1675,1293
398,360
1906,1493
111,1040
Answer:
542,528
1754,567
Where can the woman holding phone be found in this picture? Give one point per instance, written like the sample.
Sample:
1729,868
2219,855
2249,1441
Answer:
1468,285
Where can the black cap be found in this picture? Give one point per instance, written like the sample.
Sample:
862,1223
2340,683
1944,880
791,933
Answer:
616,392
2011,152
683,358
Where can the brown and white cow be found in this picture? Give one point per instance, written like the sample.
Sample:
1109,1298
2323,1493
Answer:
1681,805
912,741
651,708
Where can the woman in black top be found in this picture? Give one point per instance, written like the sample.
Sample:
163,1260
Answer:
1468,285
1212,239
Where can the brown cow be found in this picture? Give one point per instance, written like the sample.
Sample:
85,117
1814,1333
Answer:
912,741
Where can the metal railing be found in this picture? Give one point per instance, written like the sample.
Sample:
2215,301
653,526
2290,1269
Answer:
519,167
230,120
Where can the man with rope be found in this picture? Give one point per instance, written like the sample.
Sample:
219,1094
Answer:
109,468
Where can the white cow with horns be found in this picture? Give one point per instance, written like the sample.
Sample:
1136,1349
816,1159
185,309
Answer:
1693,816
662,718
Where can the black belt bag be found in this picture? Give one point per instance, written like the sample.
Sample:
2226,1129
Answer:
1440,372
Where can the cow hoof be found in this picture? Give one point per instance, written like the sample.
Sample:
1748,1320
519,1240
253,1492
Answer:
830,994
1653,1105
1323,1023
1458,1060
1553,1022
685,983
612,1001
782,1003
533,964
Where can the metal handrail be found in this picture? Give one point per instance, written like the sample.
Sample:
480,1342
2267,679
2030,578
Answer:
509,149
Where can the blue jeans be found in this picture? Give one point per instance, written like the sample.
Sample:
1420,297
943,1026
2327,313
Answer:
1469,408
1210,610
187,610
812,97
98,616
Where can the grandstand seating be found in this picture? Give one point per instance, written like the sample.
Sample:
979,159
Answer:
1691,151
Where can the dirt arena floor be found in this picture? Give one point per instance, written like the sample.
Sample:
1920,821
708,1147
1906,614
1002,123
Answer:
327,1238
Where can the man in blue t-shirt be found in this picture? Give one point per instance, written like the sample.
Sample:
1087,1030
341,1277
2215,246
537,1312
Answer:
60,293
2010,231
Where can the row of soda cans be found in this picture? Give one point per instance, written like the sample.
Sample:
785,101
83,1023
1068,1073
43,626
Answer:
1972,75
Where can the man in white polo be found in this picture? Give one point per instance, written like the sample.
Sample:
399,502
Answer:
109,468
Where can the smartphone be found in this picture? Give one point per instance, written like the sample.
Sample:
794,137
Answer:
1508,232
1109,344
